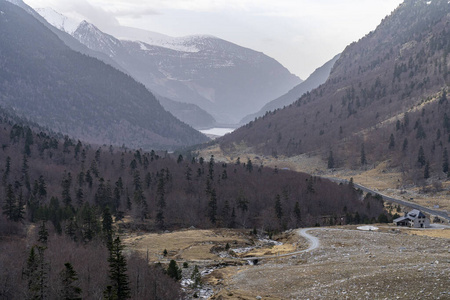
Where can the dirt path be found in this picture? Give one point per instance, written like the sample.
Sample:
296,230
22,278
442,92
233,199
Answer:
314,243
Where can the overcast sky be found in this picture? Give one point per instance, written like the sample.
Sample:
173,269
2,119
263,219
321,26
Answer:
301,34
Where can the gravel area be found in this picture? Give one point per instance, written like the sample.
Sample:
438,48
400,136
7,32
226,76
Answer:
349,264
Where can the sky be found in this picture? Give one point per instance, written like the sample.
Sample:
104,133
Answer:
301,34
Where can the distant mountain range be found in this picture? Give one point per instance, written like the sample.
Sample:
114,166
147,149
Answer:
318,77
224,79
385,100
44,80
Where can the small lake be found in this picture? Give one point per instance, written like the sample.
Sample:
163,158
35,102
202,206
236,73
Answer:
217,131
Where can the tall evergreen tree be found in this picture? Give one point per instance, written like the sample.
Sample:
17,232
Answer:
330,160
426,172
7,170
19,214
69,287
445,163
297,212
213,207
196,278
43,234
36,273
278,207
107,227
421,157
363,156
9,208
118,272
173,270
249,166
391,142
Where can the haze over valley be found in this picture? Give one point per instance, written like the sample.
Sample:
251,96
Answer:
140,165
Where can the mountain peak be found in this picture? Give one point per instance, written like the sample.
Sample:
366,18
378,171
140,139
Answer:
58,20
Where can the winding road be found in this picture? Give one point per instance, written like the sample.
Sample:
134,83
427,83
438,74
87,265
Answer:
313,241
441,214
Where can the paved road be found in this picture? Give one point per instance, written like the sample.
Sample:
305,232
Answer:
430,211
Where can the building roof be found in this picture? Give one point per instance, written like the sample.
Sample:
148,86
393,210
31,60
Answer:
415,213
401,219
410,216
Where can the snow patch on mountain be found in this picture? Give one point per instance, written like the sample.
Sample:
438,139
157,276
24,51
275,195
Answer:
58,20
183,44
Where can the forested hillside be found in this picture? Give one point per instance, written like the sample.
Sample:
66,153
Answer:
47,82
386,98
318,77
72,200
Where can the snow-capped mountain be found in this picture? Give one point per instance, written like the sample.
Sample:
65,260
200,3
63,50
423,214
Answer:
226,80
58,20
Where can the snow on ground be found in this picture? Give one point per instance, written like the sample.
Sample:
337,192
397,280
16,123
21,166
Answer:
368,228
58,20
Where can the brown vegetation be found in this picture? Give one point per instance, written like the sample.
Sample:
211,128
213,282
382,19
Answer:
386,94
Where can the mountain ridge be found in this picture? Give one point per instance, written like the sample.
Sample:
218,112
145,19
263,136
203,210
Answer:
318,77
401,65
223,78
49,83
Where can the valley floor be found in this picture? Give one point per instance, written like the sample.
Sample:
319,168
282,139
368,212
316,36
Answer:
349,264
315,263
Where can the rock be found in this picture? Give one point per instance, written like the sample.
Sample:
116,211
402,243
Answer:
258,297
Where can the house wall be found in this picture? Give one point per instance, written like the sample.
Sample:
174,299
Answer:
425,222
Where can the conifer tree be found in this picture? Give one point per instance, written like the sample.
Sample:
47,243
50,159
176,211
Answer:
278,207
426,172
363,156
173,270
69,287
445,163
211,167
330,160
118,272
213,207
196,278
43,234
9,208
249,166
107,227
421,157
297,212
7,170
391,142
36,273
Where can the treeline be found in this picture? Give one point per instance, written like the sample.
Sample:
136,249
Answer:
70,184
416,143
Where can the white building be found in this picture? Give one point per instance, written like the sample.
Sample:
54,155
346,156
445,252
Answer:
415,218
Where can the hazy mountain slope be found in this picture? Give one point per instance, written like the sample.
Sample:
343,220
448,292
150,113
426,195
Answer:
400,65
57,87
318,77
226,80
188,113
69,40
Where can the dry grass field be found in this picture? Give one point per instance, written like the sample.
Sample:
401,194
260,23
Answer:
390,263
